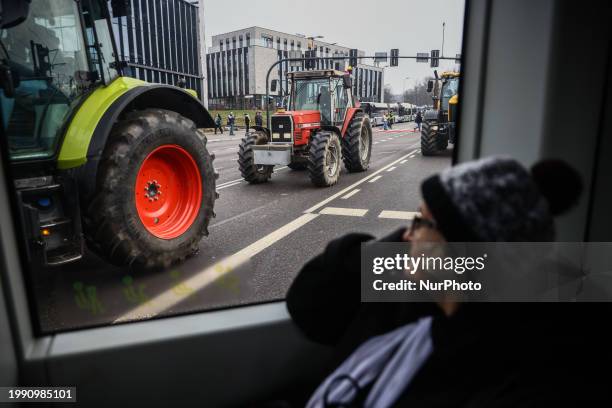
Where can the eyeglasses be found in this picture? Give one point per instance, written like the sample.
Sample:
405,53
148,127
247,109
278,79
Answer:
418,222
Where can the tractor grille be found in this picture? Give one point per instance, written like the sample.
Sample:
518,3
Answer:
282,129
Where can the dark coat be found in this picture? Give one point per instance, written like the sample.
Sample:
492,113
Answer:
258,120
419,118
485,355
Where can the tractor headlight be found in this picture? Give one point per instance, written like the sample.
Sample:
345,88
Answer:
434,128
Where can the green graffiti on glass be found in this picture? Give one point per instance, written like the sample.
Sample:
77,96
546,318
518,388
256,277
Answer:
226,279
132,293
86,298
180,288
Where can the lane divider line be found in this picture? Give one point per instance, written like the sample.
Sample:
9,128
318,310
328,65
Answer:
403,161
391,168
350,212
398,215
168,299
229,185
352,193
229,182
375,179
352,186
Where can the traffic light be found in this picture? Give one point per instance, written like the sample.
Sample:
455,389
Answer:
435,58
394,57
353,57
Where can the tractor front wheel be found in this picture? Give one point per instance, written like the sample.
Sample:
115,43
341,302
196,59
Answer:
428,138
155,191
325,154
250,171
357,144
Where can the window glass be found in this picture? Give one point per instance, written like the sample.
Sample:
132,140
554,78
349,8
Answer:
116,234
47,55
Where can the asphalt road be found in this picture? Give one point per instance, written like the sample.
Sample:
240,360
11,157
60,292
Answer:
260,238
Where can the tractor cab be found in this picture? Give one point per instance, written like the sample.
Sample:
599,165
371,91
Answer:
324,94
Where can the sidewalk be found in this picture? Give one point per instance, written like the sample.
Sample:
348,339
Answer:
238,135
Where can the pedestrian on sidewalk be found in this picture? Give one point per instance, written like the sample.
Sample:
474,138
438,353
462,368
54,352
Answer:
418,120
247,122
231,120
258,119
218,123
385,122
391,119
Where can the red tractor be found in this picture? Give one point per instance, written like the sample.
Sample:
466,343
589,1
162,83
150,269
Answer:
323,124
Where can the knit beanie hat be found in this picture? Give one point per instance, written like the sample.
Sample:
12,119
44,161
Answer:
497,199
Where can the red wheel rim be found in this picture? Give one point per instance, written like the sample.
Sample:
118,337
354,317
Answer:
168,191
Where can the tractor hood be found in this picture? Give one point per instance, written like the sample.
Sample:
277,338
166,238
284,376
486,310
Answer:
301,118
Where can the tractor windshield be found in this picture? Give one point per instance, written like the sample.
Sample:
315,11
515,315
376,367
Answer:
48,62
313,94
450,87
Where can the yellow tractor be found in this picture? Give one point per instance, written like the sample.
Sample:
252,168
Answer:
438,128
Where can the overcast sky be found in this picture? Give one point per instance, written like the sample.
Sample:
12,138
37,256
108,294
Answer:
370,25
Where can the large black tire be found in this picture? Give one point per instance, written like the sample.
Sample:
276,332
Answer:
251,172
428,139
357,144
112,226
324,158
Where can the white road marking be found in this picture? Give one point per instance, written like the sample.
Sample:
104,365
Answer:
169,298
414,151
280,168
403,161
391,168
352,186
398,215
350,212
352,193
374,179
229,185
228,182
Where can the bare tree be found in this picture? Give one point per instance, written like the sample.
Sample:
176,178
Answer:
418,95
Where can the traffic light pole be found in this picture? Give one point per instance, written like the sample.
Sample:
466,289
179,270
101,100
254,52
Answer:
343,58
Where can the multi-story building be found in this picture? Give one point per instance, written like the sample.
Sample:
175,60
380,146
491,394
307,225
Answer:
238,62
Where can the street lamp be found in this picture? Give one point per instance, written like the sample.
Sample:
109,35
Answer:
312,38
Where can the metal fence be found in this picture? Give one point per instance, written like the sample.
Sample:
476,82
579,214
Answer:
159,41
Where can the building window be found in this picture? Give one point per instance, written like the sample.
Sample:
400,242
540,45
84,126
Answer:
248,40
299,45
221,45
240,41
233,43
292,45
278,43
268,41
285,44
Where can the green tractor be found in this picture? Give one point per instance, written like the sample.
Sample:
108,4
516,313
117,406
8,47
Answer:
98,158
438,127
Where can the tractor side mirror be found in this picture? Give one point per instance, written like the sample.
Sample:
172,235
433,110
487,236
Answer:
273,85
430,85
13,12
347,82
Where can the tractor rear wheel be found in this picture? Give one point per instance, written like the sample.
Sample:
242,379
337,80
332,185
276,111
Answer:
155,191
324,159
250,171
428,138
357,144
